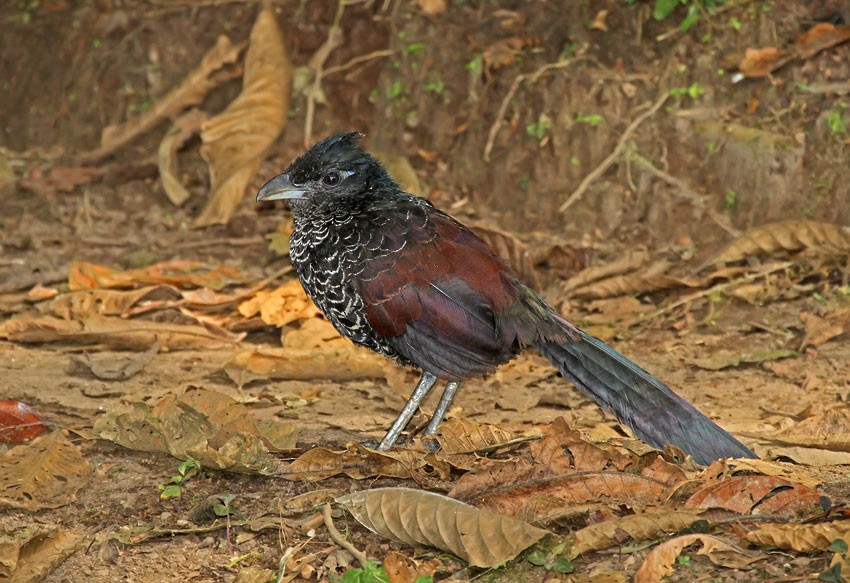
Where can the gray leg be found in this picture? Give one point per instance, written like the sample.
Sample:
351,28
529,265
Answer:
419,393
442,408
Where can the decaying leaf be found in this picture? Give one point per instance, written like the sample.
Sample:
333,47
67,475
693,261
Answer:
758,495
359,462
639,527
401,569
19,423
116,334
721,359
340,362
235,140
820,330
466,436
119,368
630,262
821,36
84,303
416,517
33,556
45,473
183,128
660,562
513,251
828,429
203,425
286,304
177,273
783,237
805,538
760,62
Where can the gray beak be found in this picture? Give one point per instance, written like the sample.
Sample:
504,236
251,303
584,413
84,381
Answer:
280,188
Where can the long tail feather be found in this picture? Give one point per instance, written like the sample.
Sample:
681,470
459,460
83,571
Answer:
649,407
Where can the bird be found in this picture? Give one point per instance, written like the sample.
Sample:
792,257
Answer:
397,275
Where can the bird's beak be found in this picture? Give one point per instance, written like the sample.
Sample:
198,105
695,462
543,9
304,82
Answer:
280,188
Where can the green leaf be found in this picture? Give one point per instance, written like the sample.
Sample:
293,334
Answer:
691,19
536,558
663,8
170,491
837,546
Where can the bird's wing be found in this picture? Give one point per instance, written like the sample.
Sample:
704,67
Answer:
434,290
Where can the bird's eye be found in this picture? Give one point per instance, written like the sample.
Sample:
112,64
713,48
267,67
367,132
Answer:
332,178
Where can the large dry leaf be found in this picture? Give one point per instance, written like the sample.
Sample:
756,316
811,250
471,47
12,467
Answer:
639,527
829,429
783,237
359,462
178,273
183,128
721,359
191,92
46,473
823,329
34,558
630,262
467,436
660,562
758,495
513,251
416,517
286,304
235,140
805,538
116,368
339,362
116,333
19,423
203,425
84,303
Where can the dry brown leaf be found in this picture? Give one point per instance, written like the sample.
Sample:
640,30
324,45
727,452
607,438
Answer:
820,37
203,425
416,517
45,473
432,7
788,471
399,167
563,449
659,563
177,273
35,558
632,284
760,62
235,141
284,305
829,429
116,333
805,538
116,368
183,128
820,330
359,462
513,251
191,92
721,359
316,333
84,303
629,262
401,569
467,436
599,21
783,237
639,527
759,496
339,362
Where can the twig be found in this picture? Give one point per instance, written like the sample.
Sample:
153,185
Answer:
686,190
506,101
357,60
612,157
316,63
717,288
338,538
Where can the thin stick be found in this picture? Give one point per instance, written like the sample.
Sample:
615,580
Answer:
612,157
338,538
357,60
316,63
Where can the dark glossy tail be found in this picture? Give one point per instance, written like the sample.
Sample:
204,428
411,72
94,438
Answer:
654,412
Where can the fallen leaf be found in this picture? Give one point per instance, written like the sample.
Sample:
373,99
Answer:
416,517
721,359
759,496
821,37
805,538
19,423
183,128
401,569
235,141
359,462
791,236
33,557
660,561
432,7
760,62
177,273
340,362
113,368
284,305
45,473
599,21
467,436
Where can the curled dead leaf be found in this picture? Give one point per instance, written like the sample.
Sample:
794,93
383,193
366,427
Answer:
805,538
783,237
660,562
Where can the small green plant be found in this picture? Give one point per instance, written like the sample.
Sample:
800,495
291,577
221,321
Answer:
372,572
574,161
475,65
836,122
396,89
551,561
524,182
185,471
683,560
730,199
540,128
434,83
223,507
735,23
591,119
693,91
696,10
413,48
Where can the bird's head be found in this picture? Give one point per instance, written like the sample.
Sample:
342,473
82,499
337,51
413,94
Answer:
334,168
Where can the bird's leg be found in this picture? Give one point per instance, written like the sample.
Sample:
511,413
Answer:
442,408
419,393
